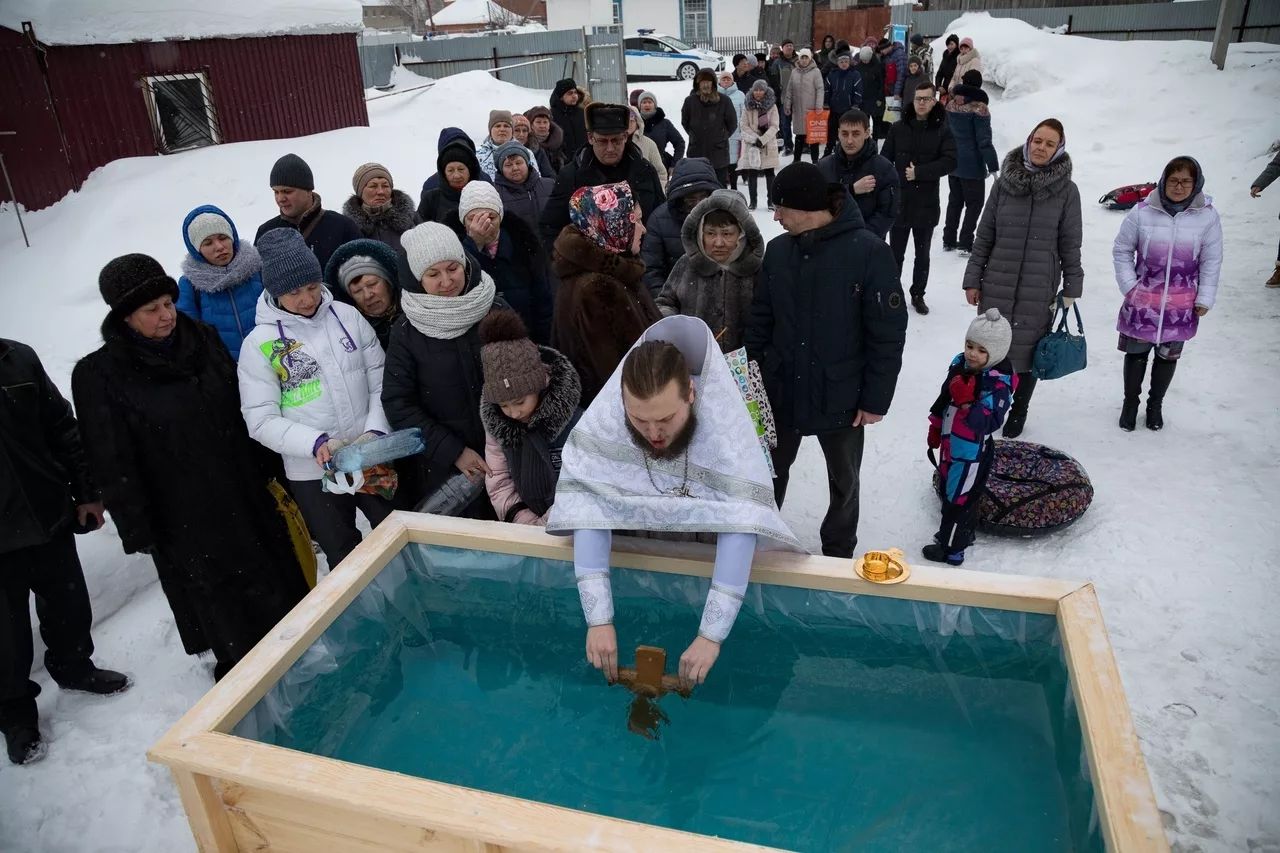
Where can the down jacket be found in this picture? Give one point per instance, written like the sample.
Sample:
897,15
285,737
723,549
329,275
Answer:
663,133
806,91
662,245
969,118
739,100
1166,266
878,207
224,297
304,377
709,122
929,145
521,270
525,200
1027,243
699,287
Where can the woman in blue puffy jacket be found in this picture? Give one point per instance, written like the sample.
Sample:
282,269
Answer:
221,276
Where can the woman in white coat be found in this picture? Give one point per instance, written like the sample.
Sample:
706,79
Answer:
311,382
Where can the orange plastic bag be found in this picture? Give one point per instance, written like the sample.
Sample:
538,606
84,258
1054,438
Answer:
815,126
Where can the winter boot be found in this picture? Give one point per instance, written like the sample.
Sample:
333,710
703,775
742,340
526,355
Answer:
104,682
768,188
1021,400
1274,281
24,744
751,193
936,553
1161,376
1135,368
918,303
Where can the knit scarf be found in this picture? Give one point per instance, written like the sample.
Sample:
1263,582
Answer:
449,317
206,278
1032,167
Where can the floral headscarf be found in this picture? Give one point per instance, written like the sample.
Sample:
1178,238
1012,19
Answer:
603,213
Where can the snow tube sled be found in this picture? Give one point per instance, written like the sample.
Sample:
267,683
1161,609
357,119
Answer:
1031,490
1123,198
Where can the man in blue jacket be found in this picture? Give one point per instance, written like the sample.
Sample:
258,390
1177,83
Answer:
827,326
969,118
859,168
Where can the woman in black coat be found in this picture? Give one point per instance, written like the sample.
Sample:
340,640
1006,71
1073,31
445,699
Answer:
432,377
159,411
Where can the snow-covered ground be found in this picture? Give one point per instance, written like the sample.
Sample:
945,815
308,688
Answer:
1181,541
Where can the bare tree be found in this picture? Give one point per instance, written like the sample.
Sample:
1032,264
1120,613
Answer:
421,11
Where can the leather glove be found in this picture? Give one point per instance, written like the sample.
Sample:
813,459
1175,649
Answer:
963,389
935,436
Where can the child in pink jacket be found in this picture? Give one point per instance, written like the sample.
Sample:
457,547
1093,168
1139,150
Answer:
529,406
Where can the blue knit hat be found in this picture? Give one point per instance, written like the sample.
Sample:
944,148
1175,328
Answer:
505,150
287,262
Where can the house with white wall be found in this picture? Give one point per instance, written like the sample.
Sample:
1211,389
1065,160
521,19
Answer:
690,20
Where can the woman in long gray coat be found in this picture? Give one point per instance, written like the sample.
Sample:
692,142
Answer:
1027,246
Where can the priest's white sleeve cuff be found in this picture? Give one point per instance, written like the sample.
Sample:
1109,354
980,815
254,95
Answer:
719,614
596,595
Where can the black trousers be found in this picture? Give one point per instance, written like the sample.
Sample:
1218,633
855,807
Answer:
923,239
842,449
332,518
967,195
51,571
802,146
749,179
722,175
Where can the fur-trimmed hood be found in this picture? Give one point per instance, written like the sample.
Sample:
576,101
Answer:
576,253
555,410
397,215
1050,180
747,263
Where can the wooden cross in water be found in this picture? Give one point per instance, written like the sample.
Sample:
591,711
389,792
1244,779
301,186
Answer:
649,682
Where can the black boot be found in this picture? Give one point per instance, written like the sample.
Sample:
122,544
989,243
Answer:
1021,399
93,680
1161,376
918,303
768,188
24,744
751,192
1135,368
936,553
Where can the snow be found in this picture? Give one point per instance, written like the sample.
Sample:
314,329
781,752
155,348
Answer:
470,12
121,21
1180,542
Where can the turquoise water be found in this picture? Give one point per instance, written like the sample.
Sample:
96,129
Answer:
830,722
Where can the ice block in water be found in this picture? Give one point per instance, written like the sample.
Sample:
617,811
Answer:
378,451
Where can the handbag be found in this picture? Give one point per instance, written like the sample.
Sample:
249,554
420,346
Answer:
892,110
815,127
1060,353
299,536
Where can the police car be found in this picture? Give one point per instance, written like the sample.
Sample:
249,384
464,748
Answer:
651,54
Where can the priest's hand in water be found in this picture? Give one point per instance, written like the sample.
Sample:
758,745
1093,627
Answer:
602,650
697,660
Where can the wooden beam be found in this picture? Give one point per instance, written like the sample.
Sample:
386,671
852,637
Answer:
209,825
1121,786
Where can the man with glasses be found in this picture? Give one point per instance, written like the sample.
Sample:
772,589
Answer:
609,158
921,148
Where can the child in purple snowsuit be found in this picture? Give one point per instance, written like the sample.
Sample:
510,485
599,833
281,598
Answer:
975,397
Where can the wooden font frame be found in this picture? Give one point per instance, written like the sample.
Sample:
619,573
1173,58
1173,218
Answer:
244,795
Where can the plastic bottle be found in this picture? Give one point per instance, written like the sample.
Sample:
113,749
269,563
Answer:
378,451
454,496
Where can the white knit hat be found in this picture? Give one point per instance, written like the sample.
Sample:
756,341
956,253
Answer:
430,243
479,195
206,225
993,333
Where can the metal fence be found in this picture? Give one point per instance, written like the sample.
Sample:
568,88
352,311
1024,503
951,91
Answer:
1259,20
729,45
529,60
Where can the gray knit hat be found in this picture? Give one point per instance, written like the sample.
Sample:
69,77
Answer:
292,171
511,362
287,262
430,243
993,333
505,150
366,173
647,94
358,265
205,225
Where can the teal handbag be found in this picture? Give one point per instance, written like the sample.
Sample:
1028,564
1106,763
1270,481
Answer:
1060,353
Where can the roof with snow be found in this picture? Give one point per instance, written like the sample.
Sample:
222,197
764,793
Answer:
471,12
122,21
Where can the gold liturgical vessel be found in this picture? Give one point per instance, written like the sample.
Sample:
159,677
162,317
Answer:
882,566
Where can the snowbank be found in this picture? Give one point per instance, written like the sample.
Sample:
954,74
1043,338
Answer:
471,12
120,21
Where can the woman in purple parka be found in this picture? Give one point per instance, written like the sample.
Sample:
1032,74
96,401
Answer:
1167,257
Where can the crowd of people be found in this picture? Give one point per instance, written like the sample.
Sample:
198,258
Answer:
497,314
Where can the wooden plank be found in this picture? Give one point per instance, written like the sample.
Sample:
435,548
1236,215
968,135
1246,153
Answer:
208,819
1122,787
945,586
493,819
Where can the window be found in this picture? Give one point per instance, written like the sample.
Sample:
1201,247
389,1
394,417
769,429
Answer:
632,44
182,112
655,46
695,24
617,13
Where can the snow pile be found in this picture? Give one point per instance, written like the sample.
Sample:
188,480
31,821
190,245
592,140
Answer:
121,21
471,12
1180,542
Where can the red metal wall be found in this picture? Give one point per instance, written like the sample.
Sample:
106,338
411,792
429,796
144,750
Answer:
263,88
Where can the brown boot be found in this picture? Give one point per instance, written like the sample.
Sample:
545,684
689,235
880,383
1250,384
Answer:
1274,281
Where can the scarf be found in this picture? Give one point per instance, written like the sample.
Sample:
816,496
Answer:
534,473
1032,167
449,317
206,278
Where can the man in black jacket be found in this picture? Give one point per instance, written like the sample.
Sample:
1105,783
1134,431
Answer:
301,208
568,113
608,159
921,148
827,326
46,494
869,178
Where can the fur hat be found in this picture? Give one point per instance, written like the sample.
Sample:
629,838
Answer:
800,186
131,281
603,214
535,112
207,224
430,243
497,117
478,195
292,171
993,333
287,262
609,118
511,362
366,173
704,74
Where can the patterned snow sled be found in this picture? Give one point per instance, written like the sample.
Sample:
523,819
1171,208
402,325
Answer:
1032,490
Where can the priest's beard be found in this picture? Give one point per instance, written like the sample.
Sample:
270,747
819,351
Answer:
677,446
